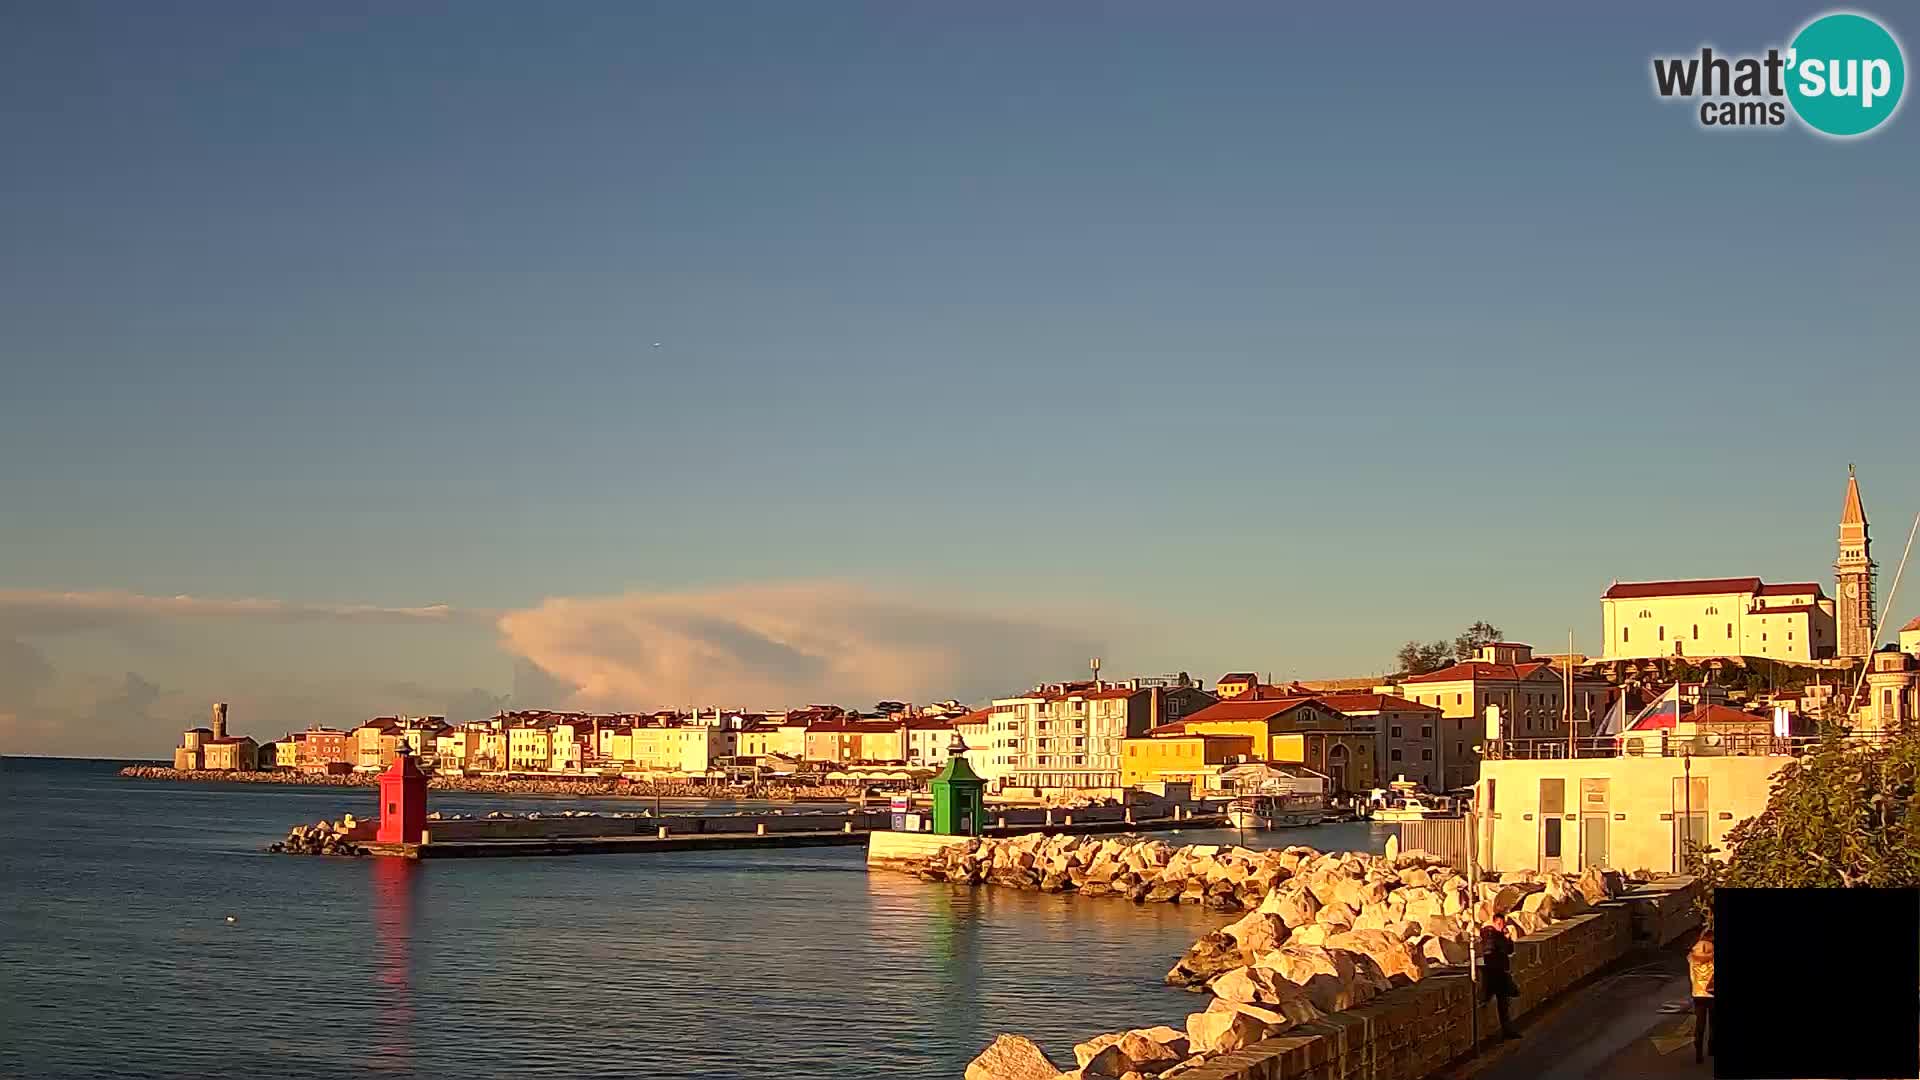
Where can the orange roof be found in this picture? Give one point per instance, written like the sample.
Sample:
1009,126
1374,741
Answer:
1722,714
977,716
1914,625
1790,590
1238,676
1478,670
1242,708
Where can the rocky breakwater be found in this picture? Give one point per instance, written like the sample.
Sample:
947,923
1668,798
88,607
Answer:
1224,879
323,838
1325,933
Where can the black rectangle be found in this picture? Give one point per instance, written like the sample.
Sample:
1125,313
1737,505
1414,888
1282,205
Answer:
1816,983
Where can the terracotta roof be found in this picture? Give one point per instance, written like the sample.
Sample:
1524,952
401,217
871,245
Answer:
1241,708
1478,670
1238,676
855,727
1914,625
1722,714
1628,590
977,716
1353,703
1791,590
927,723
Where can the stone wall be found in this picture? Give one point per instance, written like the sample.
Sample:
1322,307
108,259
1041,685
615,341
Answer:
1412,1031
552,827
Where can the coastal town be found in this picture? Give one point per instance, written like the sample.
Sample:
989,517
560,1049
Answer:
1707,663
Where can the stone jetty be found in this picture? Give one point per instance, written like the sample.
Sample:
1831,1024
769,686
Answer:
1319,933
323,838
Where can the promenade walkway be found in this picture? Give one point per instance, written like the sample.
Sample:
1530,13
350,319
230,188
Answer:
1632,1024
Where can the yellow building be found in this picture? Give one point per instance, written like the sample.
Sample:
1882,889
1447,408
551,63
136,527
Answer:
230,754
844,741
1891,700
1176,757
375,742
761,738
1233,684
286,752
691,749
1530,695
188,756
1717,617
1299,731
1629,812
529,747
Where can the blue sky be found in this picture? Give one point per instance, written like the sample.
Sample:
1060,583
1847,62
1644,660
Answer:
1236,335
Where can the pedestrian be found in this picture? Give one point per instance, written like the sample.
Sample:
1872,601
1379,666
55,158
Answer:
1497,972
1700,980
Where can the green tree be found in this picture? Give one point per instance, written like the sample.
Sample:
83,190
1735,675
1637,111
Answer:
1415,658
1844,815
1473,637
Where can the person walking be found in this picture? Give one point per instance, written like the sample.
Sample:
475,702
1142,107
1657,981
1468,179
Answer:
1497,972
1700,980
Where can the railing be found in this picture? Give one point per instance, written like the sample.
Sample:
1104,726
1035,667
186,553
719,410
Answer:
1658,744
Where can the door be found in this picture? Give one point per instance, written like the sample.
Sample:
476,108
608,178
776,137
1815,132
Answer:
1689,820
1595,812
1553,807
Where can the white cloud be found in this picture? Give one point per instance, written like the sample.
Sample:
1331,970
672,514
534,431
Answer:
764,645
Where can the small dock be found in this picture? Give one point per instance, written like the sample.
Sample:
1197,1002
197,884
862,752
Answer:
536,846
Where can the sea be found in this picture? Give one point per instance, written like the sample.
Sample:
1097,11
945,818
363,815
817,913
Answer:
146,932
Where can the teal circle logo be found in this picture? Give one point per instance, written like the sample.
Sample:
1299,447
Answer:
1845,73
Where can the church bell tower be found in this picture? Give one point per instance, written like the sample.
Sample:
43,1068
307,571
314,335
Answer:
1853,576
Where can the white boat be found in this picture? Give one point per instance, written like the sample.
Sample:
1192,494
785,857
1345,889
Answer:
1276,811
1403,801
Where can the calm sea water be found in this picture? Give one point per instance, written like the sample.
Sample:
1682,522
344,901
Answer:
117,959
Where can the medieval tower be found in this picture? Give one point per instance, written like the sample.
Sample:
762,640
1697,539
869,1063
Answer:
1853,576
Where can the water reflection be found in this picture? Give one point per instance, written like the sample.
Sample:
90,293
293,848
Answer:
393,928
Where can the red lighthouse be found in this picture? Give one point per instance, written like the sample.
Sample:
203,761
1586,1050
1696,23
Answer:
403,800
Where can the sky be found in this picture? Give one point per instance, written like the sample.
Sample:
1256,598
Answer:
358,359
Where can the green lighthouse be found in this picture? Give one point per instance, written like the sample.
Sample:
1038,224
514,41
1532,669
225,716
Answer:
959,795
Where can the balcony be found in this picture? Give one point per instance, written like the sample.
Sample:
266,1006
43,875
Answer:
1658,744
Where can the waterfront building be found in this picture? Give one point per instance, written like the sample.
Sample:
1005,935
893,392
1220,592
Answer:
1406,734
688,749
845,740
1066,737
1537,809
975,729
1178,756
187,757
374,743
231,753
529,744
1293,730
1717,617
1528,691
929,741
421,734
1853,575
773,735
572,741
326,750
286,752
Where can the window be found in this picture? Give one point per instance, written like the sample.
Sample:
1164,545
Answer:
1625,634
1729,630
1663,633
1394,754
1426,755
1395,731
1456,699
1426,731
1696,631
